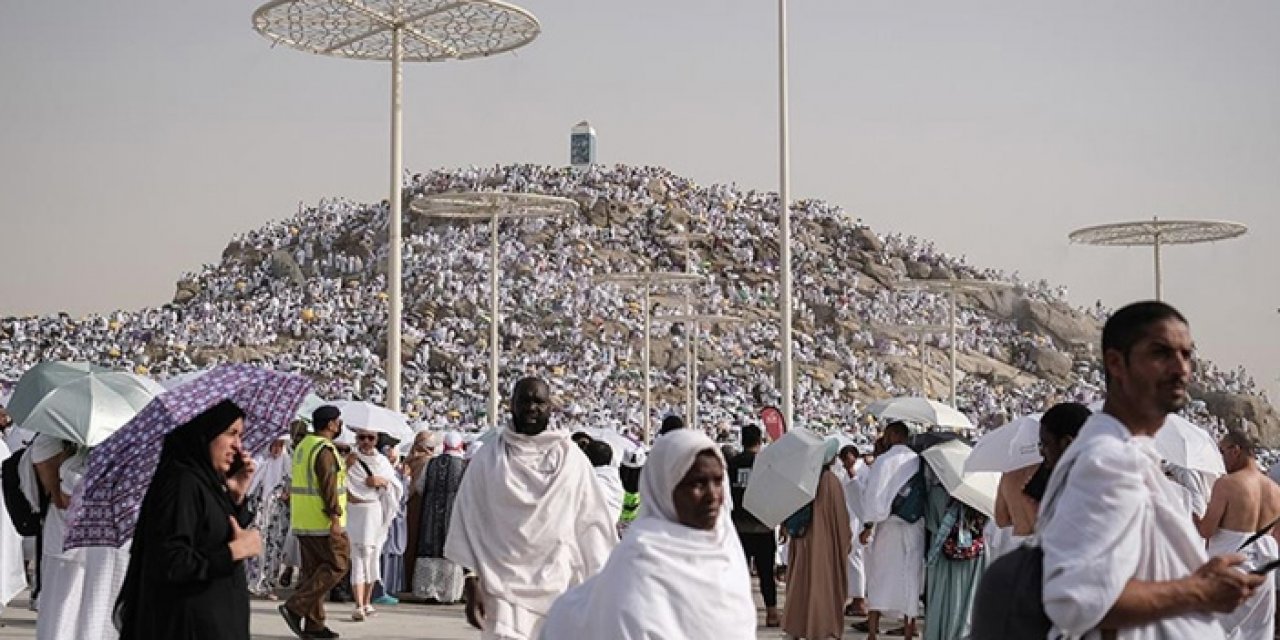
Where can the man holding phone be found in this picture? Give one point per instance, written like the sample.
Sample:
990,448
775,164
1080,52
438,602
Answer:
1122,559
1242,510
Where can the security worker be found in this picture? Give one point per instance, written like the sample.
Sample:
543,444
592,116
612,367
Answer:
318,499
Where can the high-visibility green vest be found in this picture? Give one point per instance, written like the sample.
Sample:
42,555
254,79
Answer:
307,513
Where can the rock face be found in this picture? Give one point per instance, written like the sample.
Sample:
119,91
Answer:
187,290
1067,327
1233,408
918,270
1054,365
284,267
867,240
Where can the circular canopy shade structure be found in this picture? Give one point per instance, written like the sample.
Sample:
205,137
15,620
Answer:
1156,233
691,371
951,287
430,30
647,280
396,30
489,206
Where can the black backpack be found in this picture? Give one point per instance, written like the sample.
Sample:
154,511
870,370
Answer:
28,520
913,498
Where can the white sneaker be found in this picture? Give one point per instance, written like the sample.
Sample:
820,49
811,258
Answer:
357,615
369,610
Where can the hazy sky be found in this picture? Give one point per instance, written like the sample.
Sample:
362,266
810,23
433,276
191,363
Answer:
137,136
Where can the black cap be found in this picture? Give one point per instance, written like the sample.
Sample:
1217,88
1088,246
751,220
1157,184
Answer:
322,415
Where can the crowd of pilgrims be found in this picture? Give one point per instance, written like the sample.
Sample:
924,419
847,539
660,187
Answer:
327,318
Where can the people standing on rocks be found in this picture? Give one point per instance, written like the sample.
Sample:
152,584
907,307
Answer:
1244,501
318,508
758,541
1121,555
529,523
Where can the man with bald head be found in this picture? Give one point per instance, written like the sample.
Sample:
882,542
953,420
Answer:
530,521
1244,501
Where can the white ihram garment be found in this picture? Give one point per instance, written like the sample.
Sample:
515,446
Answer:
857,560
13,577
531,521
895,557
79,587
611,486
1256,618
369,520
665,580
1117,518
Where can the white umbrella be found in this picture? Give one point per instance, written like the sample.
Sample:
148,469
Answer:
785,476
977,490
92,407
1012,446
1183,443
38,381
919,410
370,417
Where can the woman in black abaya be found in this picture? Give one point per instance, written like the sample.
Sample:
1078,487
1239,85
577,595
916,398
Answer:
185,579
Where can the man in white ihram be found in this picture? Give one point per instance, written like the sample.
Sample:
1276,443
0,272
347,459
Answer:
1244,501
894,556
529,522
1122,558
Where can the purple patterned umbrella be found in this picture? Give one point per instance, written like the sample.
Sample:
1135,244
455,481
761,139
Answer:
104,509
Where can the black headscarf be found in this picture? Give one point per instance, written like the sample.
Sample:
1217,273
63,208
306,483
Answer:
185,451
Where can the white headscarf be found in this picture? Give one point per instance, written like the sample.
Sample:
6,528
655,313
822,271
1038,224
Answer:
666,580
453,444
272,470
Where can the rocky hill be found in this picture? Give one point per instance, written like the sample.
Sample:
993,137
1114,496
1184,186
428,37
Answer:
306,294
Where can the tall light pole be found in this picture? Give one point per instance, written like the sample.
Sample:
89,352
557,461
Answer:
646,281
784,220
397,31
492,207
1156,233
690,345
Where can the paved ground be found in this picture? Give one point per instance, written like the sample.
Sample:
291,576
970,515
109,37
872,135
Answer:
400,622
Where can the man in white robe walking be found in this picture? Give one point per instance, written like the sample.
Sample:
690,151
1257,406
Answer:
530,521
894,555
1122,558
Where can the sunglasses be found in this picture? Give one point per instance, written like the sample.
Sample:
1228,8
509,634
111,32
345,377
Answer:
366,437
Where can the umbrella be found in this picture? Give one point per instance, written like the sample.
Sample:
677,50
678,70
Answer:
370,417
1183,443
919,410
921,441
616,441
39,380
1012,446
309,404
977,490
785,476
104,509
89,409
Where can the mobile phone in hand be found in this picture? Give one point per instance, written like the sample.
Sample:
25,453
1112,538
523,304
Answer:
237,466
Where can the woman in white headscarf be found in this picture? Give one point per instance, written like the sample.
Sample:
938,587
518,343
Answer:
680,571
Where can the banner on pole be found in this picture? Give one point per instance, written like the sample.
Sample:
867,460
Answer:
774,423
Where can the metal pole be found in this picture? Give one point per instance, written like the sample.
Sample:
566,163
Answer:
393,260
784,218
1156,244
690,348
951,317
493,322
924,393
647,410
693,378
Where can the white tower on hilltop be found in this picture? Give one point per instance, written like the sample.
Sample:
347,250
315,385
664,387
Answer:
582,145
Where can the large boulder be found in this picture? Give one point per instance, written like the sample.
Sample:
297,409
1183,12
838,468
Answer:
1068,328
1052,364
1234,408
867,240
285,267
942,273
918,270
187,291
880,273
